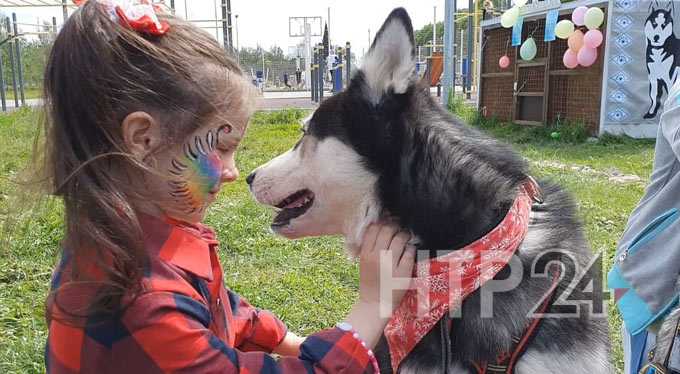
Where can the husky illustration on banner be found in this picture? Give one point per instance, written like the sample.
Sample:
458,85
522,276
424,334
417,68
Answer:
663,53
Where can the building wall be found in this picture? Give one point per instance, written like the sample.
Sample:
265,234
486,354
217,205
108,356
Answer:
569,95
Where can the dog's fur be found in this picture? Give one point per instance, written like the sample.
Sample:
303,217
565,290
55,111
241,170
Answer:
663,55
385,148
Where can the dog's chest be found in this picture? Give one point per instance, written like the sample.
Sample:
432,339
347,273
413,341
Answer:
660,61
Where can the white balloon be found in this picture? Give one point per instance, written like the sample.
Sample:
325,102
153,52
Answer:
509,18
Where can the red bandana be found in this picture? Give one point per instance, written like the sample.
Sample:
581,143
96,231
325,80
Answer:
442,284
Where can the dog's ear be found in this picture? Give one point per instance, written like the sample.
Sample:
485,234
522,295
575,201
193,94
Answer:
391,63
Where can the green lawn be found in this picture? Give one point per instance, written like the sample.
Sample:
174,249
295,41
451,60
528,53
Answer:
309,283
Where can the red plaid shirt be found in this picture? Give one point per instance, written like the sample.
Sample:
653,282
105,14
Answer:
186,320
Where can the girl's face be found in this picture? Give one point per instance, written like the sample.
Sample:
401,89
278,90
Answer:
196,170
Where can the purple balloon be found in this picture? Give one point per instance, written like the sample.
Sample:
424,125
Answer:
578,16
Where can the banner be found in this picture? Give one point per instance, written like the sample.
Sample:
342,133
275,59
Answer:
643,63
517,32
550,23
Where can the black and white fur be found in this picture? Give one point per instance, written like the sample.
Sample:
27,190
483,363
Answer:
385,148
663,55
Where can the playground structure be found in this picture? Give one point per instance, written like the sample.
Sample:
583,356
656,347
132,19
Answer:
337,72
13,34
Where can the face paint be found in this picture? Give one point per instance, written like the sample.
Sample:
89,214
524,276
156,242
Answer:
198,171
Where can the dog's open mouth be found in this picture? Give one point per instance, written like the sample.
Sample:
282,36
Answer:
293,207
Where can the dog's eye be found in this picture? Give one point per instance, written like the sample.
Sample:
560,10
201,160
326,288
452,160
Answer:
303,131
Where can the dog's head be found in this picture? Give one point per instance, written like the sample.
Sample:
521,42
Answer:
326,184
659,26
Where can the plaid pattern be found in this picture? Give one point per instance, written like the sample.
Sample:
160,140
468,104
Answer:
186,320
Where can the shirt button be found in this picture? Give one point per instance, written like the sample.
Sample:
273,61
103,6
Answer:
219,301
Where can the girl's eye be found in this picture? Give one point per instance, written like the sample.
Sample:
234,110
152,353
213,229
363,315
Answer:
223,143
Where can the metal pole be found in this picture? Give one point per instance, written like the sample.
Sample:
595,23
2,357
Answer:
313,76
434,30
238,48
20,68
308,55
462,38
468,73
172,6
449,38
369,39
322,72
225,27
338,70
229,25
54,24
8,24
328,23
3,99
64,8
348,63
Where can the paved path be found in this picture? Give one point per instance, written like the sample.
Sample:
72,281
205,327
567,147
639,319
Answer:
269,101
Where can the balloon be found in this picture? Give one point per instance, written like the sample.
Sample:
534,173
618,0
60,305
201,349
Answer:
521,3
528,49
594,18
570,60
564,28
586,56
504,62
592,39
575,41
509,18
578,16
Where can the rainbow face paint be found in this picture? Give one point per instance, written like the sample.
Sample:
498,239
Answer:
198,171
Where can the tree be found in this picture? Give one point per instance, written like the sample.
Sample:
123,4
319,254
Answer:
326,42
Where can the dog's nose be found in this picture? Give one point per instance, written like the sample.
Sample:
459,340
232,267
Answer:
250,178
656,38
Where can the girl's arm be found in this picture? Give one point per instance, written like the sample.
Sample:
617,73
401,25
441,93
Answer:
290,346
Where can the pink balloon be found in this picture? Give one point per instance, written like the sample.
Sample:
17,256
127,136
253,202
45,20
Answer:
586,56
575,41
578,16
570,60
593,39
504,62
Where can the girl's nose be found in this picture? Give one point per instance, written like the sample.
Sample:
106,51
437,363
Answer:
229,173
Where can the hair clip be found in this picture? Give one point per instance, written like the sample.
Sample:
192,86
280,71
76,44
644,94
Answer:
137,15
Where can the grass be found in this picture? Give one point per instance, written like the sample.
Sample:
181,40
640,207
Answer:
309,283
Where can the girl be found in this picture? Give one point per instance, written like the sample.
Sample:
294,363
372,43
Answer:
145,113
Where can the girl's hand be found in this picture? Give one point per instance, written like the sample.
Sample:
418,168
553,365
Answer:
380,243
384,243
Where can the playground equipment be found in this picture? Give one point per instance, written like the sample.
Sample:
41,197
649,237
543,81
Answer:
340,70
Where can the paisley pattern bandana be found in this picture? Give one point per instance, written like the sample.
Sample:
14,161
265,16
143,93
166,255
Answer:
442,284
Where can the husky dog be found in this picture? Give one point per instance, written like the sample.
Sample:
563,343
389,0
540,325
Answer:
663,55
385,148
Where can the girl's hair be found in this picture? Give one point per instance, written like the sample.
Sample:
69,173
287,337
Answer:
98,72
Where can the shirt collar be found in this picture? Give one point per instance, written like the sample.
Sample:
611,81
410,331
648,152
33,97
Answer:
187,246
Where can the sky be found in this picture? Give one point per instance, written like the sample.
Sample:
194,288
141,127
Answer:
265,23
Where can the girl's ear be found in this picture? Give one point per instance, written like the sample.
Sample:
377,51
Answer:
141,134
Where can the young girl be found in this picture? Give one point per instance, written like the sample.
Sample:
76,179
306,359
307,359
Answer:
145,113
